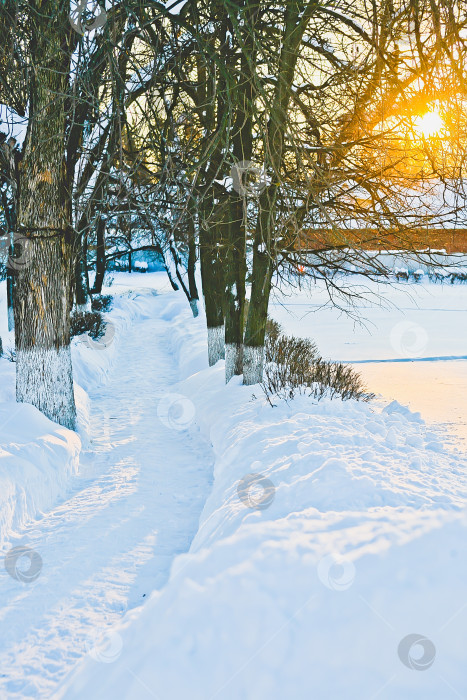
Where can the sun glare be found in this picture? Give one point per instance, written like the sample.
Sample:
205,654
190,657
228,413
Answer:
428,125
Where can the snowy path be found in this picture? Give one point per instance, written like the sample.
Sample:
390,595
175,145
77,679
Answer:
134,507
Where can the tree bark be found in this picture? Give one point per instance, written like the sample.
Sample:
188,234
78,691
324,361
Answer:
10,164
241,65
100,257
211,99
235,274
193,289
212,277
43,281
10,293
264,244
10,277
81,274
253,352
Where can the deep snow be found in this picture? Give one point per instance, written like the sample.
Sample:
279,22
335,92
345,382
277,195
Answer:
314,589
111,537
362,546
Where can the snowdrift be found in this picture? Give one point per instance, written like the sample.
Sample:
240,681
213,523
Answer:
330,559
37,460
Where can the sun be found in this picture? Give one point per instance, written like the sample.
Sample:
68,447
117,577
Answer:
429,125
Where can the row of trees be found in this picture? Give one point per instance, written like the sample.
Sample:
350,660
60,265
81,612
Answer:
224,130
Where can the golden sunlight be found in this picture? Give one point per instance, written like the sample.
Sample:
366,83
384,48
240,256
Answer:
429,125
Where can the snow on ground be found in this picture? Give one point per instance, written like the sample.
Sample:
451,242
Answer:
108,540
37,460
411,344
330,555
329,560
37,457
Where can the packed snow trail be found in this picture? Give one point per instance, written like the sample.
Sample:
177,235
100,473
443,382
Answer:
135,505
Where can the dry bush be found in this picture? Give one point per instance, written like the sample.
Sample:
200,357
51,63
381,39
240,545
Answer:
102,302
87,322
294,366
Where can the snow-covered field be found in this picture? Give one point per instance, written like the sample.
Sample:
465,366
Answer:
330,555
410,345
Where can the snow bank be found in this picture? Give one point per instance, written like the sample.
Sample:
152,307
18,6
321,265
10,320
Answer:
38,458
333,536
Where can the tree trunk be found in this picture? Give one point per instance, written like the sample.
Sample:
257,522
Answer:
10,293
194,296
44,263
264,252
240,64
235,273
100,257
176,260
211,98
9,210
253,351
173,284
81,274
213,288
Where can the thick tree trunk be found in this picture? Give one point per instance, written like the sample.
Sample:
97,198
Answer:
211,99
44,263
100,257
253,351
241,65
264,252
255,331
213,288
235,273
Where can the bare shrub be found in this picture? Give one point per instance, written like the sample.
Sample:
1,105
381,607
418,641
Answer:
294,366
102,302
87,322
